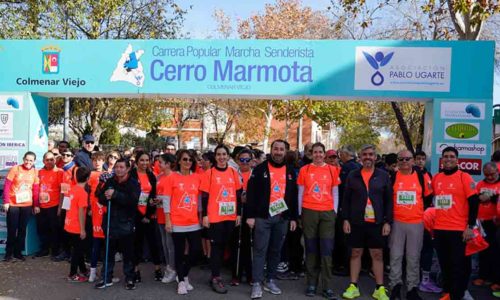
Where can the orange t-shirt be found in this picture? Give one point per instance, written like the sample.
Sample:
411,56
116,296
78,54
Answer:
21,190
50,187
183,192
278,183
221,187
160,188
156,168
318,182
407,198
450,199
145,190
68,179
245,176
369,211
488,210
97,209
78,198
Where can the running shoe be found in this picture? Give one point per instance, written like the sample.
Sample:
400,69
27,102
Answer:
130,285
351,292
181,288
496,294
380,293
329,294
256,291
77,278
271,287
101,285
169,276
428,286
218,286
311,291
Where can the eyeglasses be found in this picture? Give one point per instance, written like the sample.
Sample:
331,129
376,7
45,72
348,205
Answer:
245,160
67,155
187,159
89,142
405,158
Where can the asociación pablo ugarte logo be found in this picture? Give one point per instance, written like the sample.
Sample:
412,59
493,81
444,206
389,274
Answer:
129,67
51,59
378,61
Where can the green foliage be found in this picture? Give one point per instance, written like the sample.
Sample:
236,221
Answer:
111,134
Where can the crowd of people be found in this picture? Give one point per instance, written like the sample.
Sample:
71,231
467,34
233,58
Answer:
276,216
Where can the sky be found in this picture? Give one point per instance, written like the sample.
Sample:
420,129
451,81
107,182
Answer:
200,24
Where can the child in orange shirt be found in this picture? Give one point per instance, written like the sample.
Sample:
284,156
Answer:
96,211
76,205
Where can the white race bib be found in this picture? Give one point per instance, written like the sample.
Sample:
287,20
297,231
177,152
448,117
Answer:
23,196
66,203
143,199
227,208
277,207
443,201
65,188
369,211
44,197
406,198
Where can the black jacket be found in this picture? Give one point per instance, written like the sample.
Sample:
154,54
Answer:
83,159
355,197
123,206
259,193
346,168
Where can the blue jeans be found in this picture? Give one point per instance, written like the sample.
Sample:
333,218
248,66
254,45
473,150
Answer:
269,236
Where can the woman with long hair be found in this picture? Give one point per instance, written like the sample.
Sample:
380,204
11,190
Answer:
182,207
221,203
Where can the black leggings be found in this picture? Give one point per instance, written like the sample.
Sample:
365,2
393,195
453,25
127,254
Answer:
182,263
146,231
77,250
219,234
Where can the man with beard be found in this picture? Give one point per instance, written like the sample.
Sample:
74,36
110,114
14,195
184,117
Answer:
271,209
367,214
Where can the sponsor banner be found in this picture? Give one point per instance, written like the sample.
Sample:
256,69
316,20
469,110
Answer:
8,158
472,166
462,110
11,102
6,125
403,69
461,131
14,144
463,149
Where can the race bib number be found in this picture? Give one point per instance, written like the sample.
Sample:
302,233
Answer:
369,212
44,197
23,196
66,203
227,208
65,188
143,199
443,201
277,207
406,198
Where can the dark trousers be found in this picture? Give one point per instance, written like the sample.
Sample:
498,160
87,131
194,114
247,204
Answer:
125,245
293,251
219,234
245,262
182,263
489,258
146,231
77,250
17,220
455,266
427,252
96,251
63,235
47,223
341,255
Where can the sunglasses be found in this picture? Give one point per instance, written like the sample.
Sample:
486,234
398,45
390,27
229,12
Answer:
245,160
332,156
89,142
187,159
67,155
405,158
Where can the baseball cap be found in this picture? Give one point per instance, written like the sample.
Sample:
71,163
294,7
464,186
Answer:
88,138
330,153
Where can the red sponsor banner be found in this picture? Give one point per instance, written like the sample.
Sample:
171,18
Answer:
469,165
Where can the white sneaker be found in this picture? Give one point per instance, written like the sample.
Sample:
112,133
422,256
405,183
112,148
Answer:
169,276
467,296
115,279
118,257
181,288
189,287
93,275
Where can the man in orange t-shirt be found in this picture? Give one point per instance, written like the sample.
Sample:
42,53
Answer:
489,259
456,204
410,187
74,224
47,221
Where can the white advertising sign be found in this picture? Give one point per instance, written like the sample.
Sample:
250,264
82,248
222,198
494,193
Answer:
461,131
462,110
419,69
6,125
11,102
13,144
8,159
463,149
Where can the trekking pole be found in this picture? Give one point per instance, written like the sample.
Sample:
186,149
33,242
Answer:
239,246
107,246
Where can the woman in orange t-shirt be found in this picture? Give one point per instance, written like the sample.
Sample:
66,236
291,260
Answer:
166,163
221,197
145,222
20,197
318,196
182,208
